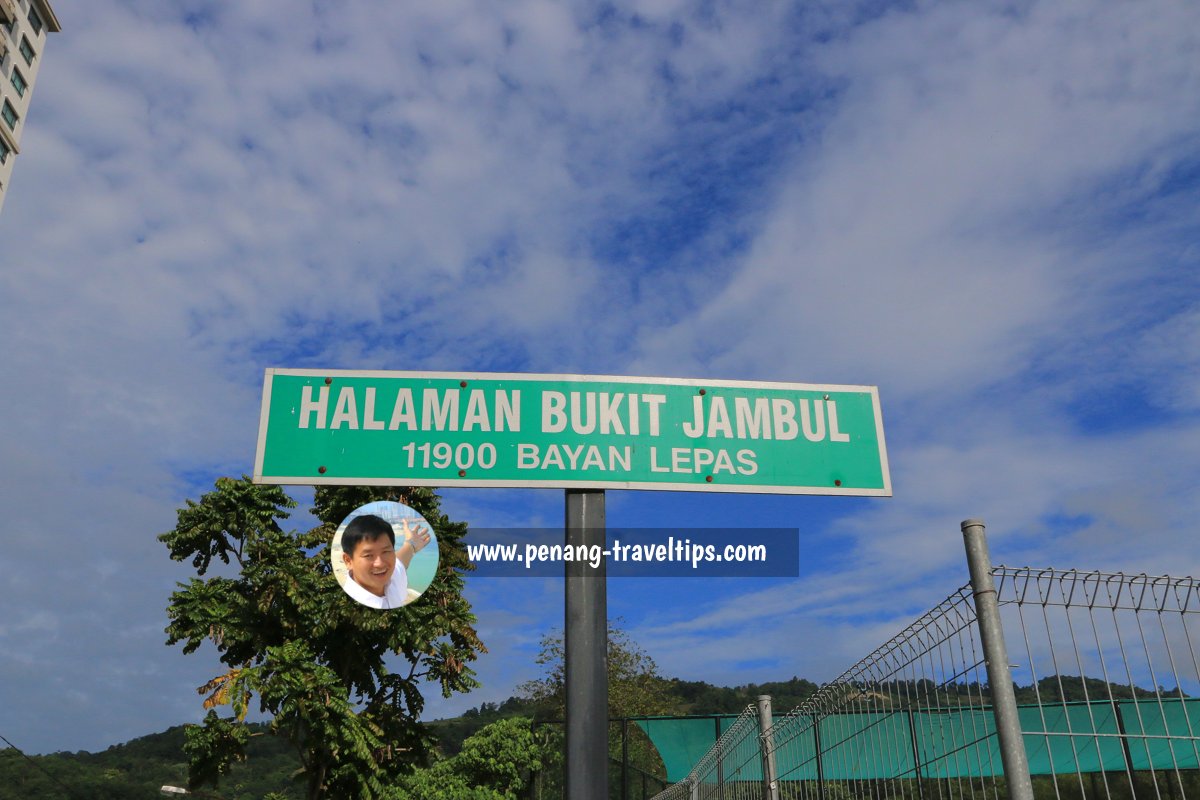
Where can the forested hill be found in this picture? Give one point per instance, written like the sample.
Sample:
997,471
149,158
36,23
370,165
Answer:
682,697
138,768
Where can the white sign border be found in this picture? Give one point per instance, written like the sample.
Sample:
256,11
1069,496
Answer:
467,483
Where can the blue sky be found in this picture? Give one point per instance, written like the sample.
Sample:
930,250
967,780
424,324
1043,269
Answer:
988,210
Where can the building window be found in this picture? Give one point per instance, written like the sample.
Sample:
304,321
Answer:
35,20
10,115
18,82
4,151
27,51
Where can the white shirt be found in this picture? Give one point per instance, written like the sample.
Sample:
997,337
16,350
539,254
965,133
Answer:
395,596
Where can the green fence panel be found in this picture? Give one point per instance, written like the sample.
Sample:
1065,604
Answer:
681,742
959,743
796,756
1076,737
1148,724
866,746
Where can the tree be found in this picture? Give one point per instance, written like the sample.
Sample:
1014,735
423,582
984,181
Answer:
634,686
635,689
495,763
313,659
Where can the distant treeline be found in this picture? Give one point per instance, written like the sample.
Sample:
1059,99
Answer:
137,769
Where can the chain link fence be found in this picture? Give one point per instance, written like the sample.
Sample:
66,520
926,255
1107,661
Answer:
1097,696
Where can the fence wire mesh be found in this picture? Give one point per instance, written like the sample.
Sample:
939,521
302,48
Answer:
732,769
1111,666
1106,676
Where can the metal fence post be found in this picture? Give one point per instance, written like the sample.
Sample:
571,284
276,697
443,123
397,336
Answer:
770,776
916,751
991,635
720,759
816,729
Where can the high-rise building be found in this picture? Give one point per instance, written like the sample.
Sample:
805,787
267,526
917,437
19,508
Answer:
24,25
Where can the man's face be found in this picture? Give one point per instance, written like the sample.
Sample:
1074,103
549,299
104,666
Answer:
372,564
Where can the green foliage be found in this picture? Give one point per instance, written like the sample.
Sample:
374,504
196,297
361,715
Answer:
452,733
502,755
698,697
212,748
440,784
1072,688
494,764
136,769
299,648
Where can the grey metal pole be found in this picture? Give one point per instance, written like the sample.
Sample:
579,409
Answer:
585,645
770,774
991,634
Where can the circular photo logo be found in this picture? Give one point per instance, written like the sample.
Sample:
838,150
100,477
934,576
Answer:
385,554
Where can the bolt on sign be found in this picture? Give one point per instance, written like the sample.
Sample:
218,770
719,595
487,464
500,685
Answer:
569,431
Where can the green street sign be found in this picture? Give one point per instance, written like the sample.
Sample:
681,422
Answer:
569,431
